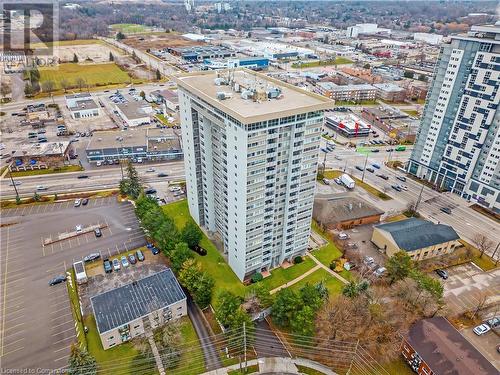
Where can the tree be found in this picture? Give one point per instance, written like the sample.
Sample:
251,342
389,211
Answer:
367,66
303,321
399,266
284,307
191,234
80,83
111,57
142,94
64,84
408,74
260,294
120,35
75,58
131,185
158,75
225,307
48,86
36,197
256,277
483,243
422,77
203,289
310,296
80,362
28,89
353,289
236,339
180,254
5,89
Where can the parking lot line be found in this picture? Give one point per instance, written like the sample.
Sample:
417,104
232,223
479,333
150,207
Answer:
15,341
12,351
61,316
65,339
66,330
63,348
15,326
66,322
61,359
4,302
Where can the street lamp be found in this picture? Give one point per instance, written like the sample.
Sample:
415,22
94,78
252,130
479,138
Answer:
420,195
364,169
13,183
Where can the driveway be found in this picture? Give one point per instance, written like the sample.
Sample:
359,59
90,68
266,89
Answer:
486,344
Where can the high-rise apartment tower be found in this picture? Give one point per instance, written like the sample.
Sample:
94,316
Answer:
458,143
251,155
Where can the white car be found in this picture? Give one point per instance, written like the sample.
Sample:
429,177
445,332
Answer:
343,236
78,228
150,169
380,271
174,188
16,183
41,187
481,329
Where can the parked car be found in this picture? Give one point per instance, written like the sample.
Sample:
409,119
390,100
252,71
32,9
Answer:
97,232
91,257
359,168
446,210
16,183
389,150
174,188
57,280
139,255
150,169
85,201
108,266
132,259
78,228
337,181
199,250
116,264
383,176
150,191
155,250
41,188
494,322
481,329
380,271
368,260
442,274
401,178
78,202
337,157
83,176
375,150
396,187
124,261
326,181
343,236
371,170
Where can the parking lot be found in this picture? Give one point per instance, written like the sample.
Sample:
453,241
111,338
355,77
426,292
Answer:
467,286
486,344
37,326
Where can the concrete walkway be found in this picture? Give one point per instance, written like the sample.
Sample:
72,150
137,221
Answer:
333,273
156,354
296,280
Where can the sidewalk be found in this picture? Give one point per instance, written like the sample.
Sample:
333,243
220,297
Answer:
156,354
296,280
321,265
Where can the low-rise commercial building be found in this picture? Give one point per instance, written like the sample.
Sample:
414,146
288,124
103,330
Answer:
434,347
137,145
421,239
392,121
344,211
390,92
40,155
130,310
347,125
354,93
135,113
37,112
200,53
167,97
82,106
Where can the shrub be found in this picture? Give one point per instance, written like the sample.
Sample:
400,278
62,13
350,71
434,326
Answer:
257,277
298,259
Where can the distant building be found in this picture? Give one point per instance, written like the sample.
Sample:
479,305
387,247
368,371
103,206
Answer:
40,155
390,92
37,112
82,106
345,93
201,53
135,113
344,211
434,39
136,145
167,97
347,124
434,347
128,311
421,239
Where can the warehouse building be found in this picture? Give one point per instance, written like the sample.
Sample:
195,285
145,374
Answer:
347,125
82,106
139,145
128,311
135,113
201,53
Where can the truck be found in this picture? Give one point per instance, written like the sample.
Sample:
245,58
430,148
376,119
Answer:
347,181
81,275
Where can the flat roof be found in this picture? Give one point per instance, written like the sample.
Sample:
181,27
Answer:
292,100
445,350
133,110
133,138
42,149
347,120
80,95
117,307
83,104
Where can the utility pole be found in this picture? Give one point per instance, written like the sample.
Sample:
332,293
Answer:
13,183
419,197
493,255
245,344
364,169
120,156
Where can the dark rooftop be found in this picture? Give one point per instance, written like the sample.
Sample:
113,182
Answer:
119,306
412,234
445,350
342,207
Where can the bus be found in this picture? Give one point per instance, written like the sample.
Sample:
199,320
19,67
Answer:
400,148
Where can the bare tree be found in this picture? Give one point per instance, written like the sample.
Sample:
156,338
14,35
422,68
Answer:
64,84
483,243
48,86
5,89
80,82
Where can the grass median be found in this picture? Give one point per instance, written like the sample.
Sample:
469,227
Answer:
331,174
36,172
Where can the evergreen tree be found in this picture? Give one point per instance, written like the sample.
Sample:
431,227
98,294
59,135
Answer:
75,58
111,57
80,362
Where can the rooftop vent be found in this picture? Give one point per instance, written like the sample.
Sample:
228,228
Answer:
224,95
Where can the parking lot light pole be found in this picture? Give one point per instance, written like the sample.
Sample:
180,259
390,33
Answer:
419,196
13,183
364,169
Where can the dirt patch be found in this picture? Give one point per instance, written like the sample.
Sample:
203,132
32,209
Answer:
91,53
156,41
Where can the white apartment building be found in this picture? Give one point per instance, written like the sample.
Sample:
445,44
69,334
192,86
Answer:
251,153
458,143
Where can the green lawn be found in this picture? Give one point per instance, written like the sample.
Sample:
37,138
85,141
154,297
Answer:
75,308
333,284
280,276
369,188
93,74
121,356
312,64
36,172
164,120
327,253
129,28
213,262
398,366
192,361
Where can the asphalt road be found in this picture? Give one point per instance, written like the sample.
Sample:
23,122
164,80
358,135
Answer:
463,219
105,177
37,326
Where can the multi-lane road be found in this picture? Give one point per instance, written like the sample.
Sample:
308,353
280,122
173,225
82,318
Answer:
98,179
463,219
